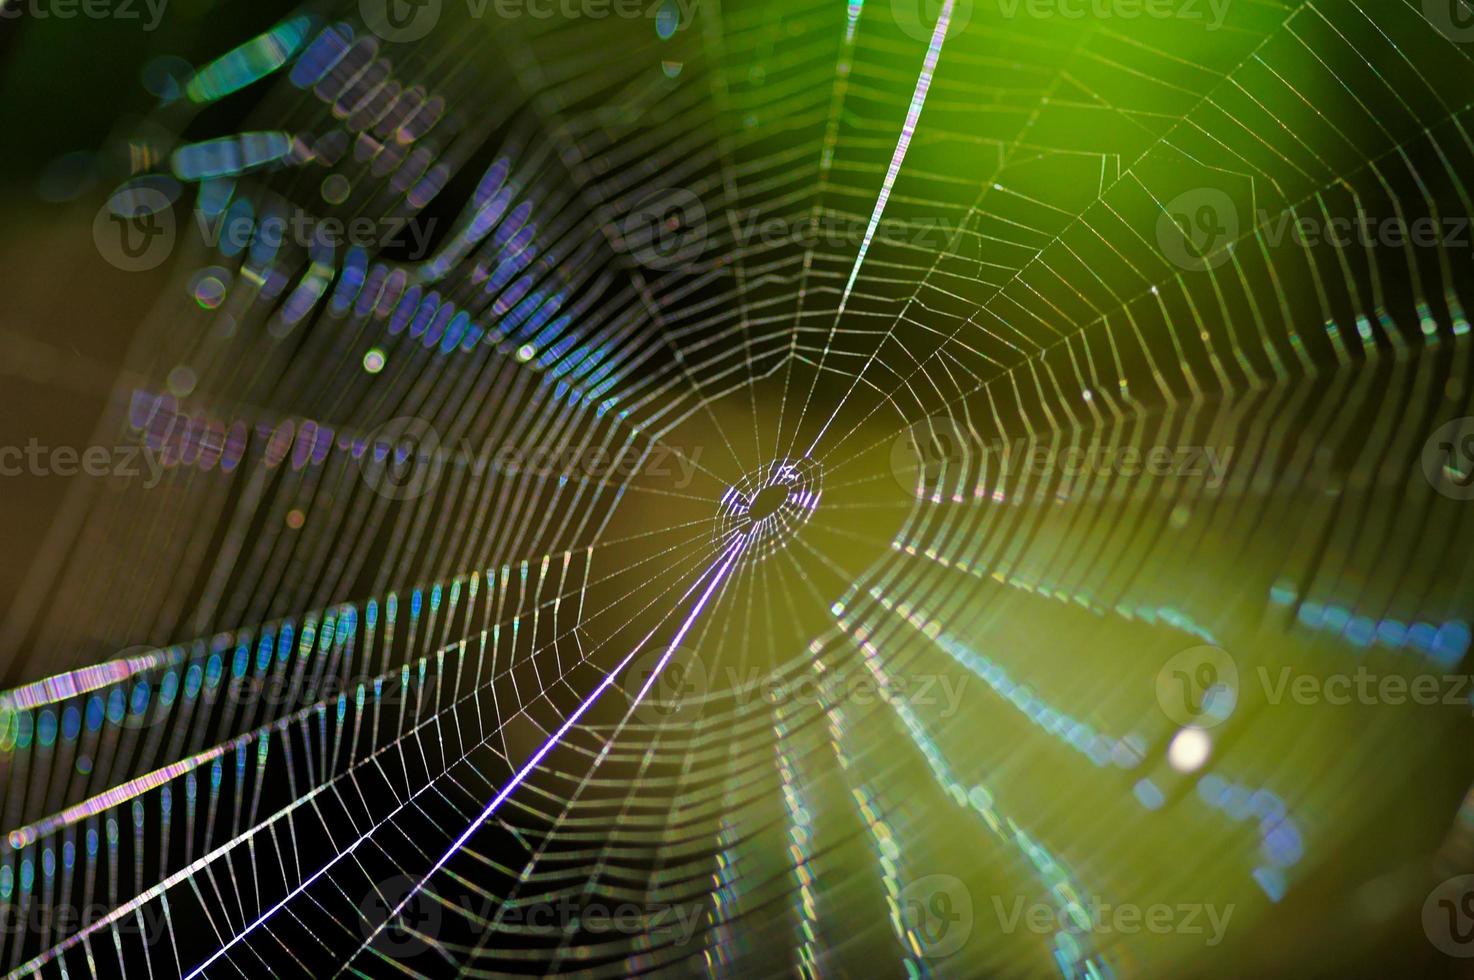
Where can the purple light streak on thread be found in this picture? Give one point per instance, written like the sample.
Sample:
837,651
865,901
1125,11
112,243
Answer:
734,551
728,556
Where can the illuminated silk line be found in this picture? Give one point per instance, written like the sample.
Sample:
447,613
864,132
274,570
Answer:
84,680
108,799
204,861
908,130
918,100
133,788
728,557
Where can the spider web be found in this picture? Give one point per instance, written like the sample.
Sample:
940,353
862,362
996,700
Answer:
465,648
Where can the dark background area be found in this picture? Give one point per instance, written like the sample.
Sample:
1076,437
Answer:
68,316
